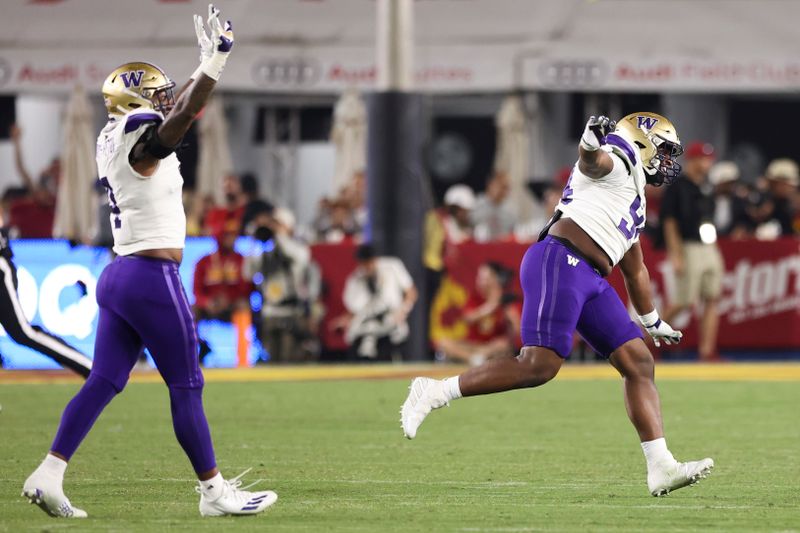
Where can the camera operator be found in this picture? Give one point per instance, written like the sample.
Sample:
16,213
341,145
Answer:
378,295
289,284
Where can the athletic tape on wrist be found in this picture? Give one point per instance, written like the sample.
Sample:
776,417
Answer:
197,71
650,320
214,65
588,147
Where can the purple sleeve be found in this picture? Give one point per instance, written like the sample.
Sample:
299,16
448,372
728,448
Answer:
133,122
622,145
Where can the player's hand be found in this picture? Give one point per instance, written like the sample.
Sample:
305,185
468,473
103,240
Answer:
661,331
221,36
594,134
205,44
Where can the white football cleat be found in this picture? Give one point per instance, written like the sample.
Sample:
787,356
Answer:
424,395
661,481
45,491
235,500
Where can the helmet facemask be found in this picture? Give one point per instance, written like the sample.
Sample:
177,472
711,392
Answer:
162,98
663,168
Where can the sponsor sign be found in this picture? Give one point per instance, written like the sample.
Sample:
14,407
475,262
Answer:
438,68
759,304
57,286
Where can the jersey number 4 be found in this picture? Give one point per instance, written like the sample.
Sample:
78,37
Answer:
112,202
631,228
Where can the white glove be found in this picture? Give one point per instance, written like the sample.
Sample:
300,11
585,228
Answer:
659,330
205,44
594,134
214,48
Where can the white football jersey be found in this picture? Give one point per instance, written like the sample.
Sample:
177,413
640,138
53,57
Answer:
146,211
610,209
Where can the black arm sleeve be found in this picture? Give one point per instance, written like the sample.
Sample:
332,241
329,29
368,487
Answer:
152,145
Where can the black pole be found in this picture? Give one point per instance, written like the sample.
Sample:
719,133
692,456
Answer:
397,202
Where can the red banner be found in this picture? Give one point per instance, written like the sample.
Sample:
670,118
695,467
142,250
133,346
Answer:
759,305
336,262
760,302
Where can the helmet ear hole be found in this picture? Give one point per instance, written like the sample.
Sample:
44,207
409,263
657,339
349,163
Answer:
641,146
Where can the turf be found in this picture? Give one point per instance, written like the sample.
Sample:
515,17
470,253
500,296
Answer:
560,458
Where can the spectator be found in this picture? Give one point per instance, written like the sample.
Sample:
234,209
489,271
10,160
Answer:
730,212
355,196
197,206
232,209
491,216
335,222
378,297
492,315
687,212
254,205
530,229
45,189
220,287
445,227
290,287
31,208
775,216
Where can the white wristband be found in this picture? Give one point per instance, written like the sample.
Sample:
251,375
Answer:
213,66
197,71
588,147
650,319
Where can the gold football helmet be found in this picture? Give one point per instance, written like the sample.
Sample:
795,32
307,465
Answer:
658,143
137,85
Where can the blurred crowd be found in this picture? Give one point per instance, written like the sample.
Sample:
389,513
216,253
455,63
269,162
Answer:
278,287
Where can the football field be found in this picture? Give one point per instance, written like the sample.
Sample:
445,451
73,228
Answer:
559,458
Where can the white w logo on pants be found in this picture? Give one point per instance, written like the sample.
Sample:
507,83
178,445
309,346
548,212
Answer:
573,261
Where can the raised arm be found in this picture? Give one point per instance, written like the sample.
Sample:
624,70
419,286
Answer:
161,141
16,137
593,162
637,283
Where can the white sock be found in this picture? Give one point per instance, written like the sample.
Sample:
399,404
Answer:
656,452
212,488
53,466
451,388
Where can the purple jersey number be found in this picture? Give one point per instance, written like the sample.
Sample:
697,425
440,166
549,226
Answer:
112,202
637,220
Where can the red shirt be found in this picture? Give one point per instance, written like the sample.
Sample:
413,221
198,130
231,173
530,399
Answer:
220,274
489,327
217,217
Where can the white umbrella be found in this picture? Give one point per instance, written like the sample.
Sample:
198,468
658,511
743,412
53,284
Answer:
214,160
349,135
512,155
75,212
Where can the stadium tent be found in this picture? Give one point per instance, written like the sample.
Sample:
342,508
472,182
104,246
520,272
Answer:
326,46
512,157
214,160
349,135
75,210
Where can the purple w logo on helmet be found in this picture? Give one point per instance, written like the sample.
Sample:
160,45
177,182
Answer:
135,78
646,122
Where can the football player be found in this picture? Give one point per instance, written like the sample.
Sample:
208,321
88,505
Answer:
595,227
141,299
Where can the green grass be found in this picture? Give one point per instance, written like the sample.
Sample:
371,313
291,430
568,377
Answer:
560,458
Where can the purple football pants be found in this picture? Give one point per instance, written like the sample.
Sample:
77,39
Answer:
143,304
564,293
